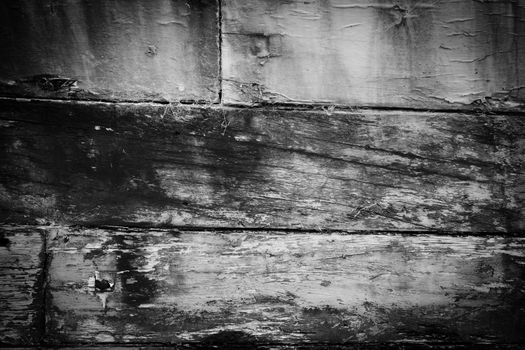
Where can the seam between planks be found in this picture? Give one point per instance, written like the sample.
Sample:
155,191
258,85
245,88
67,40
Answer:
279,230
270,106
291,345
219,46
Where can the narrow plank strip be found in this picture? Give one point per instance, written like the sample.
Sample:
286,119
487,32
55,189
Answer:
173,286
309,346
110,50
129,164
424,54
22,259
510,136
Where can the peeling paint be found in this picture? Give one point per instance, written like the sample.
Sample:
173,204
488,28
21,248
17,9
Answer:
374,54
21,286
289,288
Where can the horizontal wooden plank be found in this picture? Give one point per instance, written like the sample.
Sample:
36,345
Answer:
316,346
129,164
22,259
110,50
173,286
303,346
423,54
255,346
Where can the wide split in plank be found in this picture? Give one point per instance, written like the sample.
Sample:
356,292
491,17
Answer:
164,165
424,54
137,50
172,286
22,260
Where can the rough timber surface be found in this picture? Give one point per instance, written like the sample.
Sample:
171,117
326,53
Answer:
173,286
310,346
162,165
110,50
259,346
22,259
425,54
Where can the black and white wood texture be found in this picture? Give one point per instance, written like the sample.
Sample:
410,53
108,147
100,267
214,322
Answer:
151,165
22,261
199,287
304,223
443,54
136,50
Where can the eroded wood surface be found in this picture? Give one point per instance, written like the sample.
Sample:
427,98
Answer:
423,54
22,258
162,165
173,286
110,50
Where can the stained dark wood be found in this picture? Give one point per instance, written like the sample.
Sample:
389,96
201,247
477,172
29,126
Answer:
110,50
265,287
22,259
424,54
303,346
165,165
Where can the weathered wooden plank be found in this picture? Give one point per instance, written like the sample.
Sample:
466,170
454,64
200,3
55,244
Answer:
173,286
110,50
22,259
221,344
96,163
511,135
423,54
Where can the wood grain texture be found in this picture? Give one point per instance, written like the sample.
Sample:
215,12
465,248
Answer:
110,50
316,346
174,286
141,164
422,54
22,259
